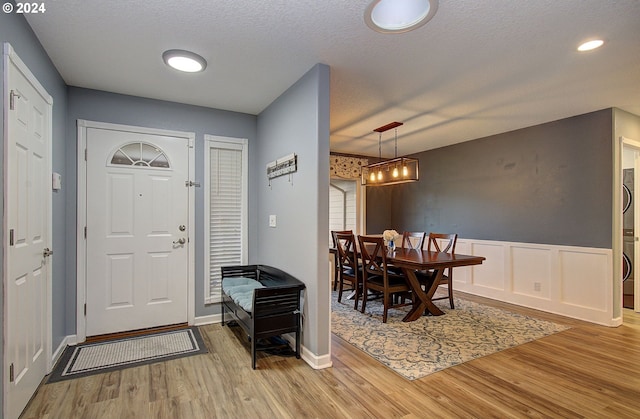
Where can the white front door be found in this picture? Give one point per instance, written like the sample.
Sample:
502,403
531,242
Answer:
137,230
27,234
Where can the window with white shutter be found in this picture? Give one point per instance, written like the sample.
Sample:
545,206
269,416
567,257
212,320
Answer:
343,206
226,203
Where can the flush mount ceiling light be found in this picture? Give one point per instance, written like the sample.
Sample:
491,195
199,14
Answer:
390,172
397,16
589,45
186,61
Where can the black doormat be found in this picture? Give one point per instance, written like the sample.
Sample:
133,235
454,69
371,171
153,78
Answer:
95,358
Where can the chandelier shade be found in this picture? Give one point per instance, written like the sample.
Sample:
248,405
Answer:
390,172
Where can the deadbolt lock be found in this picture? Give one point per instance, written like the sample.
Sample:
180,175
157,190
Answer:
182,227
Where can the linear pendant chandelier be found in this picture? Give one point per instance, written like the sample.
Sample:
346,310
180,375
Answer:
393,171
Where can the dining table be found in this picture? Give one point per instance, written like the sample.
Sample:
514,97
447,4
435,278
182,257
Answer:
412,260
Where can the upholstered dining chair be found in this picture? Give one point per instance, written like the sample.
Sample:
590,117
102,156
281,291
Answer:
376,275
335,246
413,239
444,243
348,266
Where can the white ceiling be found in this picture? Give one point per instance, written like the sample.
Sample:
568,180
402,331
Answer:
477,68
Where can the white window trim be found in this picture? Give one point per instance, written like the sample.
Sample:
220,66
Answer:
212,141
361,204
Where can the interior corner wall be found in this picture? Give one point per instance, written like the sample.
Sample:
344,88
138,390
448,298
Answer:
550,183
626,125
298,122
95,105
15,30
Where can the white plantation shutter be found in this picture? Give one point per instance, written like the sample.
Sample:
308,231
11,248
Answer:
226,218
343,206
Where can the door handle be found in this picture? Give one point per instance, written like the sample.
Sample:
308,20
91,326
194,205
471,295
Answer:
181,240
47,252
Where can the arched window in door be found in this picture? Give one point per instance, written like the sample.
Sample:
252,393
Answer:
140,154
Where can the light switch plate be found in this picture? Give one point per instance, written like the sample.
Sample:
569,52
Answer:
272,220
56,181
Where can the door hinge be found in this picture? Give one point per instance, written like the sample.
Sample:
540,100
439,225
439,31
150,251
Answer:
85,309
12,96
11,376
188,183
85,232
11,237
85,154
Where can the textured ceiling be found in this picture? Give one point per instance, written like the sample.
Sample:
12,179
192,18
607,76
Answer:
477,68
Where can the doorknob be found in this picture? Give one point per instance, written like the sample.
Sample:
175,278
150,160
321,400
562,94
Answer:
181,240
47,252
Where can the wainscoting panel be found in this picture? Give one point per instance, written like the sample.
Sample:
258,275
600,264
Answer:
572,281
493,276
583,284
531,271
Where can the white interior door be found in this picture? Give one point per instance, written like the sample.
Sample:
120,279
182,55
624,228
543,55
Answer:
28,227
137,230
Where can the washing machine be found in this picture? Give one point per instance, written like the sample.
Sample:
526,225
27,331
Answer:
628,238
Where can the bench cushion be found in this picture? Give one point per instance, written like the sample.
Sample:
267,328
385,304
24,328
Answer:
235,281
240,290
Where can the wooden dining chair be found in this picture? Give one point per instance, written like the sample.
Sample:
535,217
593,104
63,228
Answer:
444,243
335,265
410,240
413,239
348,266
376,275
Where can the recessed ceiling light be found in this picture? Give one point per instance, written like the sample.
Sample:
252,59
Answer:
186,61
589,45
397,16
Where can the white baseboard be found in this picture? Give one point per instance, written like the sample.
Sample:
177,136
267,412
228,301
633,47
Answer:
69,340
210,319
316,362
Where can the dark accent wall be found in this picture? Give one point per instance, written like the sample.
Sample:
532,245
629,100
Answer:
550,184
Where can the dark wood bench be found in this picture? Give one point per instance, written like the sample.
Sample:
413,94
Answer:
273,310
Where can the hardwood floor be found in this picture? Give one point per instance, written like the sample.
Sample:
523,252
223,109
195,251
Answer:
588,371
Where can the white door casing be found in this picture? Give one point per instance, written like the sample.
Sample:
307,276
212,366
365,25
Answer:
27,228
136,272
633,146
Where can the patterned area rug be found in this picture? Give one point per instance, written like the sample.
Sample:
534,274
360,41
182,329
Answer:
433,343
94,358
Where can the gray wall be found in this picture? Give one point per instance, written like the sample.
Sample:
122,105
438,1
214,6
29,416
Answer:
550,183
298,122
626,125
114,108
304,114
15,30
